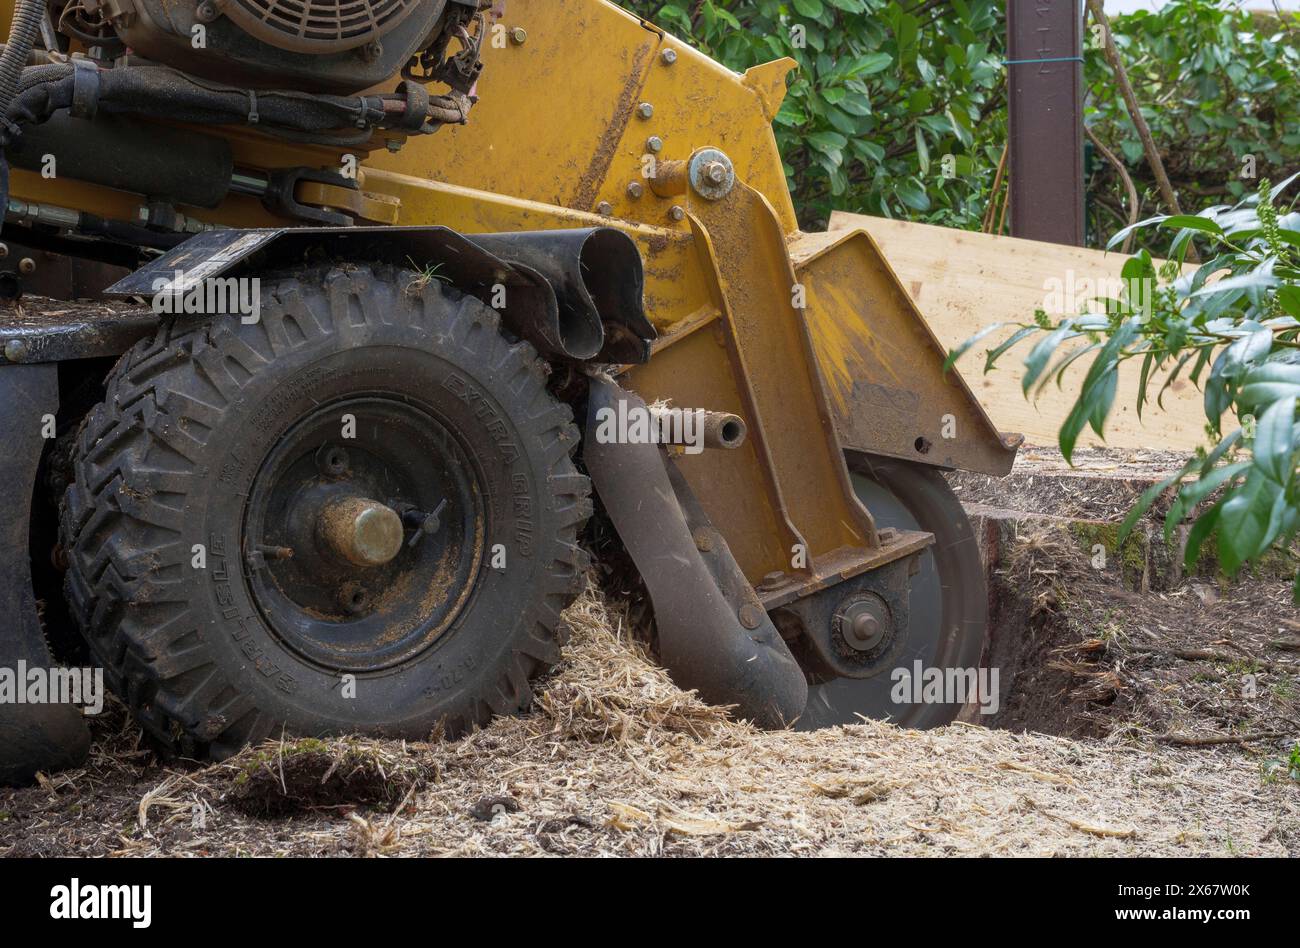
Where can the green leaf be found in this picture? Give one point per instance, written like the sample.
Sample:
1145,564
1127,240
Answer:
1274,444
1269,383
965,347
1042,351
1196,491
1197,536
913,195
995,354
1147,499
1243,522
1288,297
1191,222
827,142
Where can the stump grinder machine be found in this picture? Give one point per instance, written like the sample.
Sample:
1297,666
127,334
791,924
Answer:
385,293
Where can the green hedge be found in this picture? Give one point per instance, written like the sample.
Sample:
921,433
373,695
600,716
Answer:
886,90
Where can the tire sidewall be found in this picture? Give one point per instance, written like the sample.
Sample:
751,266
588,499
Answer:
470,400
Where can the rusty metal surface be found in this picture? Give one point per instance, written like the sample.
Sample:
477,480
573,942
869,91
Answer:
1045,119
783,498
43,330
883,365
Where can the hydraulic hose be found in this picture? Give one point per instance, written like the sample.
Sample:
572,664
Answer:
28,15
22,37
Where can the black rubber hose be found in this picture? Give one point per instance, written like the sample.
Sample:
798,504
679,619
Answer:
26,23
22,37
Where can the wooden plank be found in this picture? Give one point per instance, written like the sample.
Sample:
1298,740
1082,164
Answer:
963,281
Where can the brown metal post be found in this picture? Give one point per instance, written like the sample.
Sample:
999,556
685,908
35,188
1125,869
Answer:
1045,119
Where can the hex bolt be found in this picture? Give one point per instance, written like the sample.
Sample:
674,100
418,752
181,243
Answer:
604,209
655,144
716,172
669,56
645,110
635,190
772,580
27,265
519,36
677,212
866,628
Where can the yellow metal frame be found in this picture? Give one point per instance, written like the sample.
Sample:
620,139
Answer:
753,316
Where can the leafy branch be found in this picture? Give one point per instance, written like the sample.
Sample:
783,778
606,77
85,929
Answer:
1238,316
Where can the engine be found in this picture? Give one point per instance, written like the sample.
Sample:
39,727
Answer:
327,46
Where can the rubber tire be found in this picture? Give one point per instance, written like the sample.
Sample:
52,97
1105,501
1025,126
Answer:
156,472
932,506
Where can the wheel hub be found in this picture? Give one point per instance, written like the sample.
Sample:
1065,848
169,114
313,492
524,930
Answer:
864,623
362,531
345,564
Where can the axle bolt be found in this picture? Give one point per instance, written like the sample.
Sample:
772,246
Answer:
362,531
864,624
